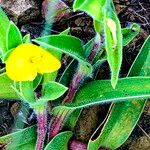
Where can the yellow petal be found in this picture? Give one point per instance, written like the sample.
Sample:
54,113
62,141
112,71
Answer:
48,63
27,60
19,69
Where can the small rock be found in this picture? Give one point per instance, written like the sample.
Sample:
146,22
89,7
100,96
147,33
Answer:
21,11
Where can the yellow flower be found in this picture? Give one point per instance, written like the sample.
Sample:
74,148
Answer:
27,60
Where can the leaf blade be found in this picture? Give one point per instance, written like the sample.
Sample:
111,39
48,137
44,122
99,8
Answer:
66,44
60,141
124,115
14,37
20,139
102,91
7,91
4,23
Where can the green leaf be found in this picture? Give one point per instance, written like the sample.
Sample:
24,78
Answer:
4,23
14,37
53,90
100,91
129,33
118,126
27,91
52,76
7,91
113,42
37,81
7,54
92,7
72,119
65,32
124,115
60,141
68,73
88,46
22,140
66,44
142,62
27,38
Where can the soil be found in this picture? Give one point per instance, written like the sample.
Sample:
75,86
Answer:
82,26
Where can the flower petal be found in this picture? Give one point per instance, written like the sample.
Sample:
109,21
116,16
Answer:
18,69
48,63
27,60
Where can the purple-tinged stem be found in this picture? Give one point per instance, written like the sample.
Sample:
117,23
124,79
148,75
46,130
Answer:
76,82
73,87
42,129
56,124
77,145
95,48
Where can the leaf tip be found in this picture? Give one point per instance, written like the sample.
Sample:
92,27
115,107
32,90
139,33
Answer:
114,83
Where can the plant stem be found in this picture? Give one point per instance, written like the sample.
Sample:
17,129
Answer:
95,49
56,123
74,87
79,77
55,126
42,128
77,81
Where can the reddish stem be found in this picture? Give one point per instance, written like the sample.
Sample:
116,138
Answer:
95,48
74,86
76,82
55,126
42,128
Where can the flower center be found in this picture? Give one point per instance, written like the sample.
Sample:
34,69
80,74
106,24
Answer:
36,59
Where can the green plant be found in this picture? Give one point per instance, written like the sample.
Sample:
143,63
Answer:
128,94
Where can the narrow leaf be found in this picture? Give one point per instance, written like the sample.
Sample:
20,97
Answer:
37,81
100,91
60,141
129,33
51,91
20,140
142,62
113,41
124,115
72,119
7,54
27,91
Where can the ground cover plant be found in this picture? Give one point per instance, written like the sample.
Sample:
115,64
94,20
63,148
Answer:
31,75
